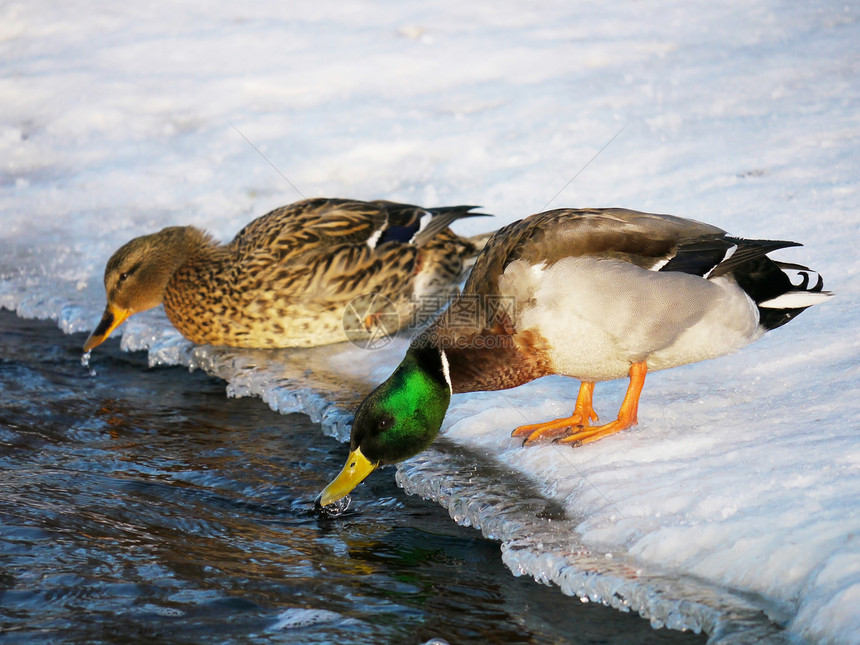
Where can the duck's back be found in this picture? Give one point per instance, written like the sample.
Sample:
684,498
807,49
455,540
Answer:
643,239
589,292
288,277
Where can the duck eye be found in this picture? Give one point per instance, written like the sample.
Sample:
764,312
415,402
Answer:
125,275
386,422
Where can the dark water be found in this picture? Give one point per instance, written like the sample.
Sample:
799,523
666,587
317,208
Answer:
143,505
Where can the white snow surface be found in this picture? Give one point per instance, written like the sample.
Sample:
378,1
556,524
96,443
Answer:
734,505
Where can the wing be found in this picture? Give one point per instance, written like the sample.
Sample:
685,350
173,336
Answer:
320,222
647,240
311,222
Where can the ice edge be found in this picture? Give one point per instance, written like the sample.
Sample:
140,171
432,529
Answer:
500,502
506,506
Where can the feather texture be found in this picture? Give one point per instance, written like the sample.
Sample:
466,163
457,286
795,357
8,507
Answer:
288,277
588,292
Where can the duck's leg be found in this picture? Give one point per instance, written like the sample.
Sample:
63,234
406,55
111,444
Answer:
626,415
583,414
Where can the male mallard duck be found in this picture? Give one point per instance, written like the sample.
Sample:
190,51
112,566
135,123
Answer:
287,278
596,294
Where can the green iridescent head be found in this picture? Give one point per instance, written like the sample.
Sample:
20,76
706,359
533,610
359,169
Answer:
399,419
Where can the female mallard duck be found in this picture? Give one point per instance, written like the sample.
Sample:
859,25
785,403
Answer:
288,277
595,294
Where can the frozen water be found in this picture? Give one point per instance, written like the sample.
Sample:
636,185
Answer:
539,539
734,507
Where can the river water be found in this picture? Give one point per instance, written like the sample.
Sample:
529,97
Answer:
141,504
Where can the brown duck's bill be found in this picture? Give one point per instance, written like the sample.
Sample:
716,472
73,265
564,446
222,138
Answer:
112,318
357,467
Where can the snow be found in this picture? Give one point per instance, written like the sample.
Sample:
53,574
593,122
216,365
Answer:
734,506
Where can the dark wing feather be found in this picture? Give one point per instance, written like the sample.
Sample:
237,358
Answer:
415,225
644,239
441,219
699,257
748,251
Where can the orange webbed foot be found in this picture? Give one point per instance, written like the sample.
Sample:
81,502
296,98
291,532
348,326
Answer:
627,415
576,429
582,436
583,415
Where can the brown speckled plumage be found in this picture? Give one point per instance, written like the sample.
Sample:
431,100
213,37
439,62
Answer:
287,277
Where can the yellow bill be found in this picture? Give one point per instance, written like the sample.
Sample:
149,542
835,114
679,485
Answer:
356,469
112,318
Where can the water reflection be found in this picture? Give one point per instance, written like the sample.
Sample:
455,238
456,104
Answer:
142,504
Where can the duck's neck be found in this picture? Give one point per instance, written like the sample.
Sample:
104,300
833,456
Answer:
181,248
168,250
455,361
183,243
484,357
431,363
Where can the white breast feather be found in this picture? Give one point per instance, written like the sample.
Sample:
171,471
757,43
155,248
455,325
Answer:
601,315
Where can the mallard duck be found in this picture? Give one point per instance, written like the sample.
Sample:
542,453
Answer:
288,277
594,294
